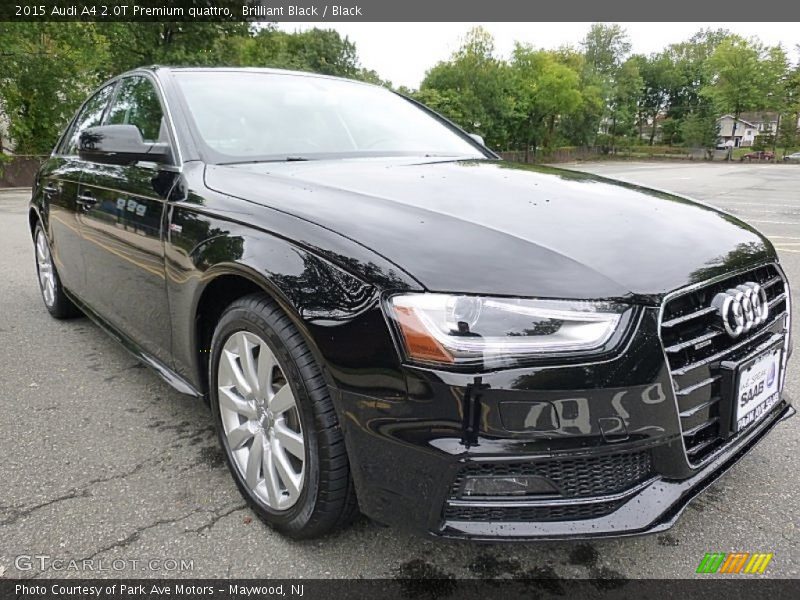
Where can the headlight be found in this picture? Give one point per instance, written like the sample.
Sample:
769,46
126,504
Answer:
465,330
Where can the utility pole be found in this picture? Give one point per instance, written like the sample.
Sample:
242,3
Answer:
733,135
775,137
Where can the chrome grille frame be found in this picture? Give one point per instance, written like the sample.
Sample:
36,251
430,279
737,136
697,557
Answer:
698,454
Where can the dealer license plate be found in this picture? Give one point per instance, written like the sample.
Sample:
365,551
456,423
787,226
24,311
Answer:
757,389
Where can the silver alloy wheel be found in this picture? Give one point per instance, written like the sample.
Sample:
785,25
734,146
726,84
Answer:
260,418
44,262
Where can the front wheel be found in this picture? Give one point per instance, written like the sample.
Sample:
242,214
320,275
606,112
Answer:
276,422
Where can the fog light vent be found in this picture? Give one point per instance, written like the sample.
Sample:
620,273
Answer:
522,485
572,477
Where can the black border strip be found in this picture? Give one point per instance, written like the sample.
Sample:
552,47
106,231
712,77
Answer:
405,11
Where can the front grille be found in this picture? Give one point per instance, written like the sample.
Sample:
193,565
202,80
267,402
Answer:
589,478
530,513
696,345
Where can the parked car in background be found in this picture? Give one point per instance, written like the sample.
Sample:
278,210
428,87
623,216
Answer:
384,315
758,155
795,157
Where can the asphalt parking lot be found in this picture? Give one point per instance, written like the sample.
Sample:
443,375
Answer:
102,460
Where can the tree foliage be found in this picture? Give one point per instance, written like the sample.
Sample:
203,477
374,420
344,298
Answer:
546,90
45,72
660,76
593,93
606,46
738,76
474,89
789,111
47,69
598,94
699,129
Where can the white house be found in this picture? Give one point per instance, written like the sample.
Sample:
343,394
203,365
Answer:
749,127
744,135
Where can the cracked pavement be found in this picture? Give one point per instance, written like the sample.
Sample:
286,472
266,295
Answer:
102,460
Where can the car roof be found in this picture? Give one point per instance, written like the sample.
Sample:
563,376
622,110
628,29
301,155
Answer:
158,69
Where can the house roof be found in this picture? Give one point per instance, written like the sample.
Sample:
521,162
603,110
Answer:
741,119
761,116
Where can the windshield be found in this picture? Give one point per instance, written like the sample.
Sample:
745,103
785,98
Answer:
251,116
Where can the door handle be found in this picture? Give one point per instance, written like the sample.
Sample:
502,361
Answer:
51,190
86,200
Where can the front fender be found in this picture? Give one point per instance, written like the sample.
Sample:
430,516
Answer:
337,311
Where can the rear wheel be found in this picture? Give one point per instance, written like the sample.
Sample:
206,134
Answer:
276,423
55,300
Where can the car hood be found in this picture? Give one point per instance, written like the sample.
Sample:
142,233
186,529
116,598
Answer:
491,227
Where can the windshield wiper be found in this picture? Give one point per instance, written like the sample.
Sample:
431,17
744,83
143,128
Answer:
267,160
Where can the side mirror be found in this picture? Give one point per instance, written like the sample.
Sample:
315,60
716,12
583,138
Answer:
477,138
119,145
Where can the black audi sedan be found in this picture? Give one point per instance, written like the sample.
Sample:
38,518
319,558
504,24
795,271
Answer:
385,317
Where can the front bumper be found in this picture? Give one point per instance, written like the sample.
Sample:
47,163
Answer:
409,451
652,507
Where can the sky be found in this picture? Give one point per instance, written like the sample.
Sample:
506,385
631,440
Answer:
402,52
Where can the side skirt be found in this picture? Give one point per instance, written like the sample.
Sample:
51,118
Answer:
171,377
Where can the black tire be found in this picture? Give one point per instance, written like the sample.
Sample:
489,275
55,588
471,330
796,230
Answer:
328,498
60,307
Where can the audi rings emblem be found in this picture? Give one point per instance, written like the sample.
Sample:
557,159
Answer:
741,308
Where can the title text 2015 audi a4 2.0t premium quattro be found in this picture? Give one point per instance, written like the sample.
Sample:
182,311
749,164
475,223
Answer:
385,316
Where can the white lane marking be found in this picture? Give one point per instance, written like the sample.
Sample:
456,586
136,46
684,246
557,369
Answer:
755,211
762,213
775,222
762,204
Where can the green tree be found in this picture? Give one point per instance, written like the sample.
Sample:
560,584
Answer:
545,90
473,88
580,127
690,58
789,115
187,43
446,102
700,130
776,81
46,71
691,76
623,101
606,46
372,76
659,77
317,50
775,72
739,78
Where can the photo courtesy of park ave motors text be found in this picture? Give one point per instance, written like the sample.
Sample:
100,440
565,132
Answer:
307,300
